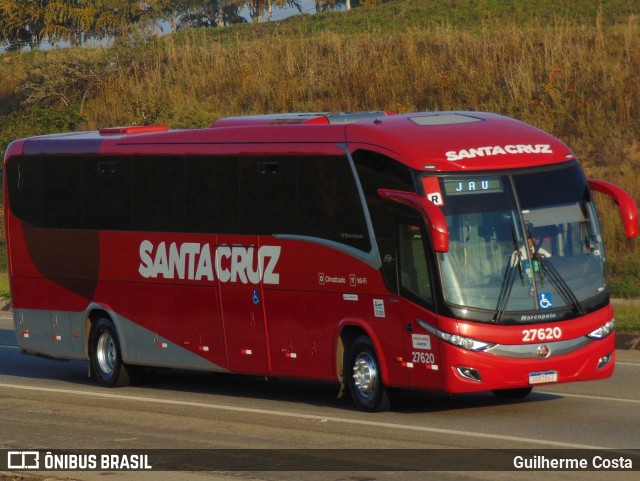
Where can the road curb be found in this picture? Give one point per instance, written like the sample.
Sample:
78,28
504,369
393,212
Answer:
630,342
5,304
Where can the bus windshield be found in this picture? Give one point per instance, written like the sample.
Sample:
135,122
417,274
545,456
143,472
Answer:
521,242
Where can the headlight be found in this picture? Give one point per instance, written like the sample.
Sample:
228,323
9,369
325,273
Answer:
466,342
602,331
455,339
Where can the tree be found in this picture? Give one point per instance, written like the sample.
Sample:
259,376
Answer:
29,22
21,22
68,20
257,8
169,10
208,13
115,17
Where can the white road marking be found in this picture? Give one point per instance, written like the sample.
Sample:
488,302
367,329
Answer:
313,417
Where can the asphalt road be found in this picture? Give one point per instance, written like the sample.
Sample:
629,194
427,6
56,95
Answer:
48,404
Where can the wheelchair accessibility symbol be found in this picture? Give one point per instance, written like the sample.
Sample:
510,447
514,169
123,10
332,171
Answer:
545,301
255,297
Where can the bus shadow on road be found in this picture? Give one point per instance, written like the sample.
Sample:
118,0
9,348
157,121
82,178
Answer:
208,387
420,402
321,394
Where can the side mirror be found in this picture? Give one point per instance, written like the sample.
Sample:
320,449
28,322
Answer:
628,208
432,214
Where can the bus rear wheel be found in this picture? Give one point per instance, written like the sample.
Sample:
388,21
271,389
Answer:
364,377
106,357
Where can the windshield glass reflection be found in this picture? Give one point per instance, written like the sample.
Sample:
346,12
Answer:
527,242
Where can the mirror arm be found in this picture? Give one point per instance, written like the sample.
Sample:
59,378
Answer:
628,208
436,221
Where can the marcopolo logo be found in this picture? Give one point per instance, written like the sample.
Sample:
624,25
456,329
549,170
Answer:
196,262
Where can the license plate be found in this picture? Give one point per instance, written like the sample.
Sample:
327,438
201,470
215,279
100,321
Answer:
543,377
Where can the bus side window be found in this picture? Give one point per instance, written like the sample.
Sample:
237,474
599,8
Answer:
158,194
267,194
328,205
212,194
62,192
106,193
25,189
376,171
415,278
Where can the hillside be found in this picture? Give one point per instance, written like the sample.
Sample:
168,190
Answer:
570,68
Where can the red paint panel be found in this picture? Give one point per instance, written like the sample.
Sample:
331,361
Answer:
579,365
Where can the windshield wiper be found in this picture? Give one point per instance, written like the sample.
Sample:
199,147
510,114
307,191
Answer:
559,283
515,260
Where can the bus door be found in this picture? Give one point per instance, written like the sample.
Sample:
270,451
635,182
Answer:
201,329
415,284
290,350
241,300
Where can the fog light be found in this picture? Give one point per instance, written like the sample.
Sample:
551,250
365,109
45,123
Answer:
603,361
469,373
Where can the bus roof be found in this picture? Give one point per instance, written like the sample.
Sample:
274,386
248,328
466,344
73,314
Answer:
430,141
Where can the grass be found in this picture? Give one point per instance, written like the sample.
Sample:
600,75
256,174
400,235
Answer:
627,318
5,292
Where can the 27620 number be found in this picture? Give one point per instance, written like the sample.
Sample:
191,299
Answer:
541,334
423,357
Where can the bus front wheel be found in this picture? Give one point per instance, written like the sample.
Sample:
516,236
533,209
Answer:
363,376
106,357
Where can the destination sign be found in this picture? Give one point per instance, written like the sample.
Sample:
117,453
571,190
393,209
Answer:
473,185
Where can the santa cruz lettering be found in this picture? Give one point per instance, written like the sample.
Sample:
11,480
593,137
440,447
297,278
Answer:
499,150
196,262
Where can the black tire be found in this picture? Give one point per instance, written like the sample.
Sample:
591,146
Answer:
363,377
106,357
515,393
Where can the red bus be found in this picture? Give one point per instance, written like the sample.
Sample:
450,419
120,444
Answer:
450,251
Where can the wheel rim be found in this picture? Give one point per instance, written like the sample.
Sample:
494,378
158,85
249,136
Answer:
365,375
106,353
